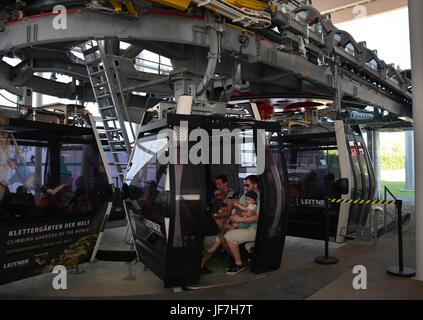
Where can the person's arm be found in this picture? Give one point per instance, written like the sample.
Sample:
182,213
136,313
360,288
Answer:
241,207
223,212
250,219
249,213
58,189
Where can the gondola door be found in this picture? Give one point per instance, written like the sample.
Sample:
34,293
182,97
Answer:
165,205
368,178
273,219
185,242
357,191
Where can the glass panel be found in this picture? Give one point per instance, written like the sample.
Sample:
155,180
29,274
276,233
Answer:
148,196
312,171
84,179
27,180
21,176
53,199
275,196
313,168
187,205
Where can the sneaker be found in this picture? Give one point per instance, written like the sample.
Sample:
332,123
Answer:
236,269
205,270
230,266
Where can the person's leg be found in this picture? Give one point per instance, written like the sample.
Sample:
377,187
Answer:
228,251
233,239
208,252
234,249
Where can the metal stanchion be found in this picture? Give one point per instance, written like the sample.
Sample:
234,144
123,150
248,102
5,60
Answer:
76,270
400,270
385,222
130,275
326,259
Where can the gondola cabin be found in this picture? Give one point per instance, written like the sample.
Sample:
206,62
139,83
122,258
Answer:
318,157
55,192
170,189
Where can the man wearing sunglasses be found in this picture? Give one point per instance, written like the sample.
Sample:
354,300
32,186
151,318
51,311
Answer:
236,237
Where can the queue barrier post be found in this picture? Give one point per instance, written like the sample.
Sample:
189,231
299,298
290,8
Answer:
326,259
400,270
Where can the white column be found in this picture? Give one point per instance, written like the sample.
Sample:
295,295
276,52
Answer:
376,162
373,146
415,8
409,161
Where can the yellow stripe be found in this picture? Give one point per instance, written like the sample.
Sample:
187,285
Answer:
363,202
257,5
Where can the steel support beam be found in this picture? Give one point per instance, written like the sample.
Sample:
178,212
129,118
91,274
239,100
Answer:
170,30
416,26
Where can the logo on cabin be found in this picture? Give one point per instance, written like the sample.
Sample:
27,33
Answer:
311,203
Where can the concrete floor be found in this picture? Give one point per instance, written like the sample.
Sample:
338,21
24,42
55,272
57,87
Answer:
380,285
299,277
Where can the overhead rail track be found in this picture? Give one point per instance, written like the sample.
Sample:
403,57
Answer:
301,51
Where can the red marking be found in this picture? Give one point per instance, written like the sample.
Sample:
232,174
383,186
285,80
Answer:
265,109
145,11
361,152
354,152
171,13
46,14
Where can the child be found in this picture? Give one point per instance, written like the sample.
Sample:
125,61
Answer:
245,210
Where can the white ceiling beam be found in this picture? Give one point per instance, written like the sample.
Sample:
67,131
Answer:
345,10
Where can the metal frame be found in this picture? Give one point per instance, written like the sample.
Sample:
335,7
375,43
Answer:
261,58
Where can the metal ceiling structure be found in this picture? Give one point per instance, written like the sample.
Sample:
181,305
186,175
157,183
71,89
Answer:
287,50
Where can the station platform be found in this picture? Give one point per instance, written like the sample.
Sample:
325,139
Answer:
299,277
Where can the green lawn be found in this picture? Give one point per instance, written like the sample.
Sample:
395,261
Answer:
396,188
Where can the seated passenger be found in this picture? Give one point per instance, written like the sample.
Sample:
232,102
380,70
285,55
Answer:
211,242
221,200
51,196
328,185
247,210
79,202
234,238
311,189
6,197
23,197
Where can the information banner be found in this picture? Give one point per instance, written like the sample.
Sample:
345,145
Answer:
30,247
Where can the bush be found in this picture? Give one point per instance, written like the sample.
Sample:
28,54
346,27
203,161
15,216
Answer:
392,162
